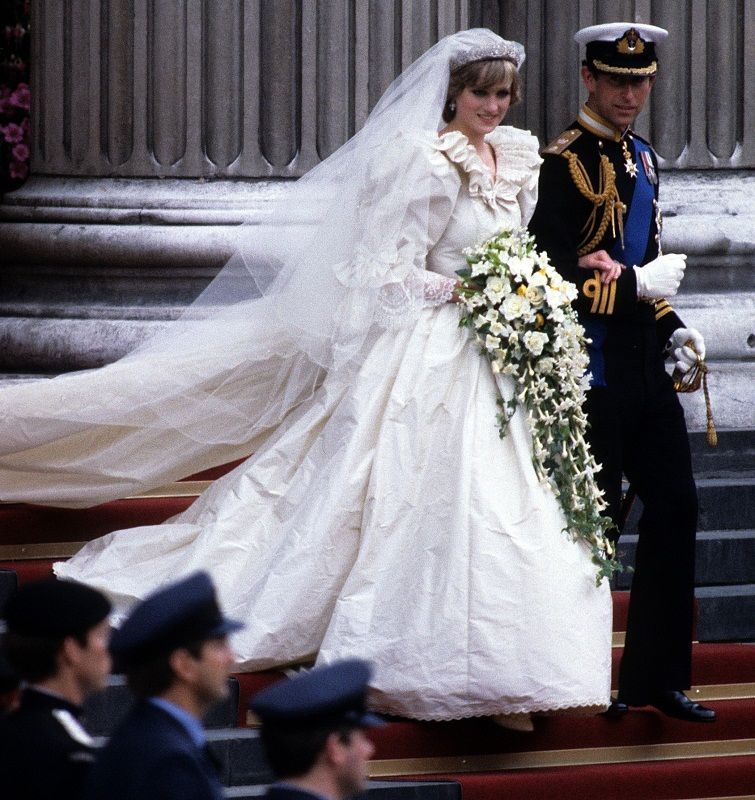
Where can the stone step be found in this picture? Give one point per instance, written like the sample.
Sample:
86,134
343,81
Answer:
722,557
733,455
725,503
104,710
726,613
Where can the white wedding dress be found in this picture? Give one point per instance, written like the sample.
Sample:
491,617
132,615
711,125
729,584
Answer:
384,518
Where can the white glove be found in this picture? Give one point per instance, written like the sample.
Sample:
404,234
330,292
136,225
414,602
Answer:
660,277
684,356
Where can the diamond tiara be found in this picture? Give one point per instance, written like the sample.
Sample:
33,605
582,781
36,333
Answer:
512,51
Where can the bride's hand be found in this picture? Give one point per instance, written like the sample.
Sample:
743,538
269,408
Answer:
455,296
600,260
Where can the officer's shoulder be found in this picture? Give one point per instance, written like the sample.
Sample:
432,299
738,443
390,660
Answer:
564,141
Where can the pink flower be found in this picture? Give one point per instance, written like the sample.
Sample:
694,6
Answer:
21,98
13,133
20,152
18,169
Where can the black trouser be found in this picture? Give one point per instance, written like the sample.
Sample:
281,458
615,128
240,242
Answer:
641,432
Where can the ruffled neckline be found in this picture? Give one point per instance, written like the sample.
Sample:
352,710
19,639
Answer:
516,159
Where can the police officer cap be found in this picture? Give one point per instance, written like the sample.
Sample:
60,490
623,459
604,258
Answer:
621,48
54,609
180,614
324,697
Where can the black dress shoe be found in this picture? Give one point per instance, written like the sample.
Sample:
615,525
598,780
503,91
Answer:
678,705
616,710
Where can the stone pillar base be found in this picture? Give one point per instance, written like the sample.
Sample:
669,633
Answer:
92,266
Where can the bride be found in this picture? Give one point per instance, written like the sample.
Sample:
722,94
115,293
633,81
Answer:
379,515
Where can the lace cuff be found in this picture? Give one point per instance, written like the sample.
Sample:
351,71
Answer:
438,289
402,300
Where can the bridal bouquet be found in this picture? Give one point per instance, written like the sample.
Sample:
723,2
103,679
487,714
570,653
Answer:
518,309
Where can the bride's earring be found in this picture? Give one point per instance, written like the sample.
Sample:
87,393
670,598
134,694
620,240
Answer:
452,107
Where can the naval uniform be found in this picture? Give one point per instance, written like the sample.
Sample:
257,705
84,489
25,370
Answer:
599,190
45,753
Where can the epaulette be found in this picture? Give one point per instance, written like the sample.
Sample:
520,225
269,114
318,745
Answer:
562,141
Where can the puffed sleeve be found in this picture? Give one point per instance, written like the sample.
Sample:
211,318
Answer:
405,202
517,152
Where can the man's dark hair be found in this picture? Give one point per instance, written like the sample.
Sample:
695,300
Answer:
156,676
35,658
293,751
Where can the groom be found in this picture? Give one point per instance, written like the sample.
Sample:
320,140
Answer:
598,218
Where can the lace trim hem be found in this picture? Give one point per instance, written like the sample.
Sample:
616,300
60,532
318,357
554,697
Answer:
587,709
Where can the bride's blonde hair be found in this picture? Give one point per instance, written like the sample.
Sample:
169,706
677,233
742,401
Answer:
482,75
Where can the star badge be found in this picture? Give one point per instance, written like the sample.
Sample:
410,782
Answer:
631,168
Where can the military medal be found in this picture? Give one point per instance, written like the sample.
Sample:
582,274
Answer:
629,165
648,166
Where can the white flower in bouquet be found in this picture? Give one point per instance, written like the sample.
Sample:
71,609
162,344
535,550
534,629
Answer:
535,342
514,307
496,288
545,365
569,290
521,267
518,309
557,315
535,295
539,278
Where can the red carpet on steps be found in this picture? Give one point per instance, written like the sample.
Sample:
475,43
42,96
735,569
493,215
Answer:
412,739
666,780
24,524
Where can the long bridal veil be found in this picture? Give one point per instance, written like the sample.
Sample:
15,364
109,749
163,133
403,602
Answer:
303,296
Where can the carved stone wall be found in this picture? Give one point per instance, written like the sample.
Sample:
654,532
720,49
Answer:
263,88
225,88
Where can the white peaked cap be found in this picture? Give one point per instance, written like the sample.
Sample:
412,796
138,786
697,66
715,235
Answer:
610,31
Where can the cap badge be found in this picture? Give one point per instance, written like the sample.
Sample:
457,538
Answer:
630,43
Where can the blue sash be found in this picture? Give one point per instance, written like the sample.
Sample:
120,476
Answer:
638,221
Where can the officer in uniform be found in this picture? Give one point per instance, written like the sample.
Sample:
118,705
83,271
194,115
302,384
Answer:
174,651
57,642
598,219
313,732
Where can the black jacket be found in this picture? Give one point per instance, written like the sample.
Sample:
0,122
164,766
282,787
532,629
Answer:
44,750
628,334
151,756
